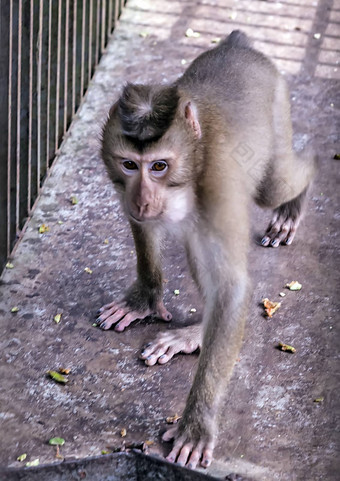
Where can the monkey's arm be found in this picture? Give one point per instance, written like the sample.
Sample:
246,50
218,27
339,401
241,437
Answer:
219,257
144,297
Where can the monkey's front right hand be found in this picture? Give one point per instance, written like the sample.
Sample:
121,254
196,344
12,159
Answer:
135,305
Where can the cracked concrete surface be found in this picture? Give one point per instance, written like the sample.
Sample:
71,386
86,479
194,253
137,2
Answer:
271,428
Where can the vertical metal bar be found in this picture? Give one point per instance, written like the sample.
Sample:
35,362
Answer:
116,10
82,70
102,47
90,42
74,55
66,63
58,81
41,11
9,138
18,186
30,112
97,32
110,16
48,101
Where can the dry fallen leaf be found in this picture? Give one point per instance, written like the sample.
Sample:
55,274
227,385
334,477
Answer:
190,33
9,265
15,309
294,286
57,318
73,200
88,270
43,228
173,419
35,462
56,376
270,306
319,399
22,457
286,347
64,370
176,292
123,432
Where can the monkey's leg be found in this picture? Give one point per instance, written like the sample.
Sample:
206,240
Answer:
145,296
288,176
285,221
169,343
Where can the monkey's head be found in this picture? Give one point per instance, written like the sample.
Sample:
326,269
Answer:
149,145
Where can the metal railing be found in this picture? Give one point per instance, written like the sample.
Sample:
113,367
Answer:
48,52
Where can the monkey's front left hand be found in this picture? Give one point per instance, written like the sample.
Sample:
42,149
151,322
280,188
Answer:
135,305
194,442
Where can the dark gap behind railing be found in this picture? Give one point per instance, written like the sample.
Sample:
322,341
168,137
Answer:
48,53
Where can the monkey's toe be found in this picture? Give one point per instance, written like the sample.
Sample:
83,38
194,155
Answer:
187,453
280,231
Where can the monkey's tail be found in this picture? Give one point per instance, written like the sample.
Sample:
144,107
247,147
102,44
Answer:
237,38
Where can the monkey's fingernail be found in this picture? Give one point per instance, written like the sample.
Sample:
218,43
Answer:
99,311
275,242
147,345
189,465
162,356
289,241
205,462
264,241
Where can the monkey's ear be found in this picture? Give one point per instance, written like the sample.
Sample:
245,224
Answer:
190,113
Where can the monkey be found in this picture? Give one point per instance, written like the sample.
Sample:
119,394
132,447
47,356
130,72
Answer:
187,158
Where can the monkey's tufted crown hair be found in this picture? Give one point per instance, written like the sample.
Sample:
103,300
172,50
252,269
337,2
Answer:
146,112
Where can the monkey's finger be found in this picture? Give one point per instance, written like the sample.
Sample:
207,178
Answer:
281,235
207,455
111,305
152,359
291,234
110,312
169,434
195,456
172,456
271,233
184,454
167,356
127,320
148,350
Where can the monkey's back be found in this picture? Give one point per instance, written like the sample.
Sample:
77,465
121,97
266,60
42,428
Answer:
232,75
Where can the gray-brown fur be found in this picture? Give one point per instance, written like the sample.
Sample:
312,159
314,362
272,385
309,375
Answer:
188,158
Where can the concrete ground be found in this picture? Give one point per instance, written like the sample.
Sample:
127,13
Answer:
271,426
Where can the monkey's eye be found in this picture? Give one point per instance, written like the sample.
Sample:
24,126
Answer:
129,165
159,166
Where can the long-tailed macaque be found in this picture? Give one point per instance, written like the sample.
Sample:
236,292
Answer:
187,158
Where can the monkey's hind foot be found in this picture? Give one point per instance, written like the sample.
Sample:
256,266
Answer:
285,221
172,342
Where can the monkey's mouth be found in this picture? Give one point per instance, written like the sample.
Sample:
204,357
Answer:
144,219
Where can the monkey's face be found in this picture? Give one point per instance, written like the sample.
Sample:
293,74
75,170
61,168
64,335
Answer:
150,188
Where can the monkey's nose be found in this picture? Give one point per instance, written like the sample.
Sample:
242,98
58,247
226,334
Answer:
142,209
